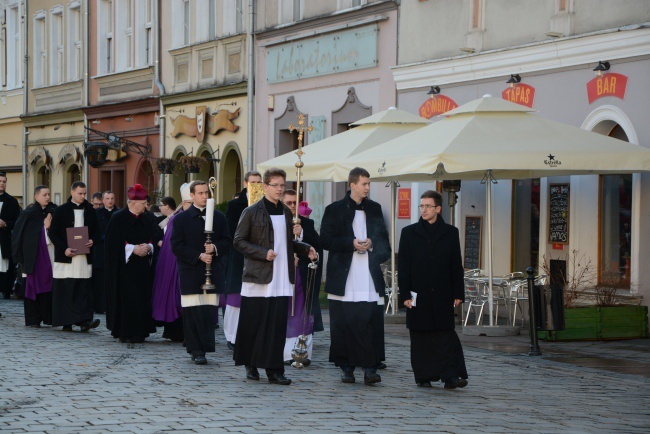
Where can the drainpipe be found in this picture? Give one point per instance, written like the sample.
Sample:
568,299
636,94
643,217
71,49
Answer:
25,104
161,92
86,91
250,83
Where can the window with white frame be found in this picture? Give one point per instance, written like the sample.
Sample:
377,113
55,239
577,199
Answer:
105,47
143,32
205,20
186,22
148,32
289,11
346,4
13,44
40,50
57,63
212,19
233,17
74,54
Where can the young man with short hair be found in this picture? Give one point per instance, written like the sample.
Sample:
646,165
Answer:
9,210
96,200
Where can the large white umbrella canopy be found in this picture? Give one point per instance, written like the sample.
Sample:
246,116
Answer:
490,138
320,157
491,133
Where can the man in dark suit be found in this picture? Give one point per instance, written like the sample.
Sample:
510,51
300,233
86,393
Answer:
192,254
9,210
354,232
235,262
104,214
431,286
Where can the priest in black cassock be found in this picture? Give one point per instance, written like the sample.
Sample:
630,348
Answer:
33,249
354,232
130,241
104,214
265,237
9,210
192,253
72,297
431,286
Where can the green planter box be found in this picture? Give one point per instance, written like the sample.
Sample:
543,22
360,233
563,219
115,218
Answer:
592,323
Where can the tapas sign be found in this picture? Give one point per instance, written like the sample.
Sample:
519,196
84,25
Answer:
520,93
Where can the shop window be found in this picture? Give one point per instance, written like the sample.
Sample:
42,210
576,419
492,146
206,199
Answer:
525,224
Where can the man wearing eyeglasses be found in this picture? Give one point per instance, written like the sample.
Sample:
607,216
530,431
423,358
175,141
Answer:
354,232
431,286
264,236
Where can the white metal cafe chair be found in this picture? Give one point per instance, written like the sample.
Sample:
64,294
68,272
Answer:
388,279
475,291
519,293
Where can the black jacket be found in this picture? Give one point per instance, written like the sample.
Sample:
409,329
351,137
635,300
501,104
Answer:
337,236
9,214
64,218
235,263
103,217
431,267
254,238
26,236
187,241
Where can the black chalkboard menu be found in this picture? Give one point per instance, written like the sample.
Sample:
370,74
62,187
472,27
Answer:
472,242
558,213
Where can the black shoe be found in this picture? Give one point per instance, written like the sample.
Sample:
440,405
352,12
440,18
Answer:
371,378
67,328
288,362
276,378
382,365
455,382
216,326
200,360
230,346
306,363
424,384
252,373
35,326
90,325
348,377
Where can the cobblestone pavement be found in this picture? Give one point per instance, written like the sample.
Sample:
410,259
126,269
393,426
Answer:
53,381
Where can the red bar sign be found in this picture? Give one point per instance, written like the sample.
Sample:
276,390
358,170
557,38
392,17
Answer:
607,85
403,203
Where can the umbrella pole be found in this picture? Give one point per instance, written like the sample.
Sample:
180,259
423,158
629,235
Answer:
488,192
393,201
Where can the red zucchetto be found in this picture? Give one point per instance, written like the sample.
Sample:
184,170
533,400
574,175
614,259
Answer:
137,193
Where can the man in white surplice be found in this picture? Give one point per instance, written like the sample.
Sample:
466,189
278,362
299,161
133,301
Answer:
354,232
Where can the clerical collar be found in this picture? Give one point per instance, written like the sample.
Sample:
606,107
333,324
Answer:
77,205
200,209
356,206
273,208
109,210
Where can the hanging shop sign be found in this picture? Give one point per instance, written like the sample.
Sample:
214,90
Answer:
607,85
204,123
437,105
520,93
403,203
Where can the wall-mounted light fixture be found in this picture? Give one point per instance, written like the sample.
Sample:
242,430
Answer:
602,66
435,90
129,118
57,127
514,79
97,122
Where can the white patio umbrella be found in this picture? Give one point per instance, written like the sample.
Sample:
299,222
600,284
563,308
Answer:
490,138
320,158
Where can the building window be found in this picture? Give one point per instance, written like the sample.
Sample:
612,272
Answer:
57,64
105,39
212,18
124,41
13,44
289,11
148,33
186,22
40,50
233,16
74,42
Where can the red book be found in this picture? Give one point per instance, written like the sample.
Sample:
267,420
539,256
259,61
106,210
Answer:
77,239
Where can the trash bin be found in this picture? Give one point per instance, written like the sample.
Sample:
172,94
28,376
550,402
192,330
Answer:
549,307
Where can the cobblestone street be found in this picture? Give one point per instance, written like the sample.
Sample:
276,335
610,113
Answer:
69,382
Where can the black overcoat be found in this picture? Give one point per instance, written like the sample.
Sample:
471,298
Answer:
337,236
64,218
187,241
26,236
103,217
9,214
433,269
235,263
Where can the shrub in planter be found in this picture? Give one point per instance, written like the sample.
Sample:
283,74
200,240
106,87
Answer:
166,165
192,164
